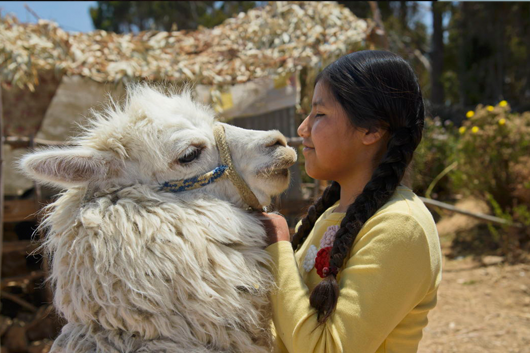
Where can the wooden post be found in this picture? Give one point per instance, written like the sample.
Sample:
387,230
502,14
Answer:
1,180
483,217
48,293
38,192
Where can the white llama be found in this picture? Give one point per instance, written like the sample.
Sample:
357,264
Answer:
152,249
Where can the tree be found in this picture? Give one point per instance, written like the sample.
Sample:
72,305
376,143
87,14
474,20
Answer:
133,16
437,55
487,51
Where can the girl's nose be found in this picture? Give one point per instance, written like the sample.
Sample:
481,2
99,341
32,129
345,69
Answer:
303,129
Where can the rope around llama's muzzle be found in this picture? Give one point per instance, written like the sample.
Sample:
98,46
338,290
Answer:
225,170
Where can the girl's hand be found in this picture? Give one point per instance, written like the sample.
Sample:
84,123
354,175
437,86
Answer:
275,226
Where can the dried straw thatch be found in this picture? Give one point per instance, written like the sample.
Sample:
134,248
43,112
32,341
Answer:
281,38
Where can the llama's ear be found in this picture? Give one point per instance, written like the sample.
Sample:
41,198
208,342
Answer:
70,167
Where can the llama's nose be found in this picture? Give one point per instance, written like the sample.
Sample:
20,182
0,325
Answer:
276,139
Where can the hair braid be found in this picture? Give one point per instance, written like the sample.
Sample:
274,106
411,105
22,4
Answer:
330,195
375,194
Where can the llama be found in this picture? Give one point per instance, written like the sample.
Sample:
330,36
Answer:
151,244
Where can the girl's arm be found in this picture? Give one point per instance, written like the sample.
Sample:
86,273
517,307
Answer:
388,274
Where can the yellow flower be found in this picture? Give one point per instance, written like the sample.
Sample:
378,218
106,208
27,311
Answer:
462,129
474,129
503,103
470,114
502,121
489,108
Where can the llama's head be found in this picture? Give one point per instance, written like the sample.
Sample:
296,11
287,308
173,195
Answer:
155,138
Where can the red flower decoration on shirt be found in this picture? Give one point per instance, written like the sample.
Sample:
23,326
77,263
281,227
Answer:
322,262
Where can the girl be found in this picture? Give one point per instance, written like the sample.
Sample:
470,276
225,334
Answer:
363,268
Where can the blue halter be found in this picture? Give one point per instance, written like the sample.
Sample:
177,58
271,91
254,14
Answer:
196,181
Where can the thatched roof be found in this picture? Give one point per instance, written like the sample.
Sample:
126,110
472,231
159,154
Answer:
281,38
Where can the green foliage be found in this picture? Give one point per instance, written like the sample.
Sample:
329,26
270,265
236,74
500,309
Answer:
493,165
488,158
510,239
491,154
434,154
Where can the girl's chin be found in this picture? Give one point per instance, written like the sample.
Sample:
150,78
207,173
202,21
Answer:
316,173
311,172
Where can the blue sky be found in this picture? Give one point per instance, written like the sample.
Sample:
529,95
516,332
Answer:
74,15
70,15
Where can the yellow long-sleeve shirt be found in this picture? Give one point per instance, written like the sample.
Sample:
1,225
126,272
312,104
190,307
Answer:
387,286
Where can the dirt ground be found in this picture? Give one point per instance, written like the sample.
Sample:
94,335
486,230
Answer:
481,307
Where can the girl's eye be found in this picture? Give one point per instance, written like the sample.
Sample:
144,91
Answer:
319,115
190,156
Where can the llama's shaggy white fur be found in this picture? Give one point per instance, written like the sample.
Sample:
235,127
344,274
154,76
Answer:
136,269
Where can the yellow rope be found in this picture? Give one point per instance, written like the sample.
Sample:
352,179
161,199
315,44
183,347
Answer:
246,194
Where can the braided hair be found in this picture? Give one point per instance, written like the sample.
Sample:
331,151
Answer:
376,89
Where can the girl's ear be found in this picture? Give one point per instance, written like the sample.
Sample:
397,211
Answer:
371,136
70,167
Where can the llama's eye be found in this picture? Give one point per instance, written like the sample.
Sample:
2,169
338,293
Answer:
190,156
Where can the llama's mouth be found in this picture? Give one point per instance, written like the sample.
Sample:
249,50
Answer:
276,174
277,171
284,172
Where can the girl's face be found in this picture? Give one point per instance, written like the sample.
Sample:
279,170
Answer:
333,148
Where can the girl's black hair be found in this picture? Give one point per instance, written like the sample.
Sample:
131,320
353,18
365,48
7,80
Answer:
377,89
